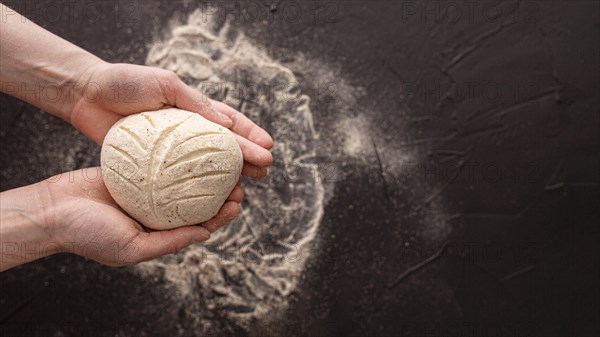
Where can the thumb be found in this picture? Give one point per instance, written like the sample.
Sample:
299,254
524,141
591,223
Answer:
158,243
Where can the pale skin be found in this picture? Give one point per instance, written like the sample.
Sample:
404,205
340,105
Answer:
74,212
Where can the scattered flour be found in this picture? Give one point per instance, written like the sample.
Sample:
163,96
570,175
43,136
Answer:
355,136
249,267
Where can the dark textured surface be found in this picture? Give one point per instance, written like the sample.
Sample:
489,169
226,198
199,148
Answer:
522,257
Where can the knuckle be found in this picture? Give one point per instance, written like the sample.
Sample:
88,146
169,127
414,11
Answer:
168,82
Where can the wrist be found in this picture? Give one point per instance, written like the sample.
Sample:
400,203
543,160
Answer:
81,87
27,230
41,68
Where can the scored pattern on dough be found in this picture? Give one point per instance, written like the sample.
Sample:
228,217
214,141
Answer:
157,156
194,155
203,175
124,178
125,154
133,135
149,120
177,212
165,154
198,135
199,196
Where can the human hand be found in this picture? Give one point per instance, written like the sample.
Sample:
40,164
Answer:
93,94
74,212
85,220
117,90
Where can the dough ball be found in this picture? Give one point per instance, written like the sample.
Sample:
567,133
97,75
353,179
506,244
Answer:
170,168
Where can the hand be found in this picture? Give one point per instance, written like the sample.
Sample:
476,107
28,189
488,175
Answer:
93,94
74,212
116,90
87,221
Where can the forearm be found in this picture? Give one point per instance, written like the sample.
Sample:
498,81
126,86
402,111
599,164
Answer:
39,67
25,231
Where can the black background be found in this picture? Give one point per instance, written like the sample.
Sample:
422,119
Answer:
522,257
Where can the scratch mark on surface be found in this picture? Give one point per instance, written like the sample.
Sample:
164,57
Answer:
435,194
418,266
574,184
488,131
395,73
430,140
476,43
381,172
495,112
454,154
452,217
555,76
505,216
548,93
517,273
478,40
552,185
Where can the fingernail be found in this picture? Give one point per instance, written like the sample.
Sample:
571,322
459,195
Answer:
267,142
202,235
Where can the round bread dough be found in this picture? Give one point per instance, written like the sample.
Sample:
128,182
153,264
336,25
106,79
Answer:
170,168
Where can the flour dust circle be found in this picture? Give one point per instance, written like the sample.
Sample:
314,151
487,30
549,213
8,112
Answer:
251,265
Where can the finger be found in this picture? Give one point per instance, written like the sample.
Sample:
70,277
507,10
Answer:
190,99
154,244
228,212
236,195
253,171
243,126
253,153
